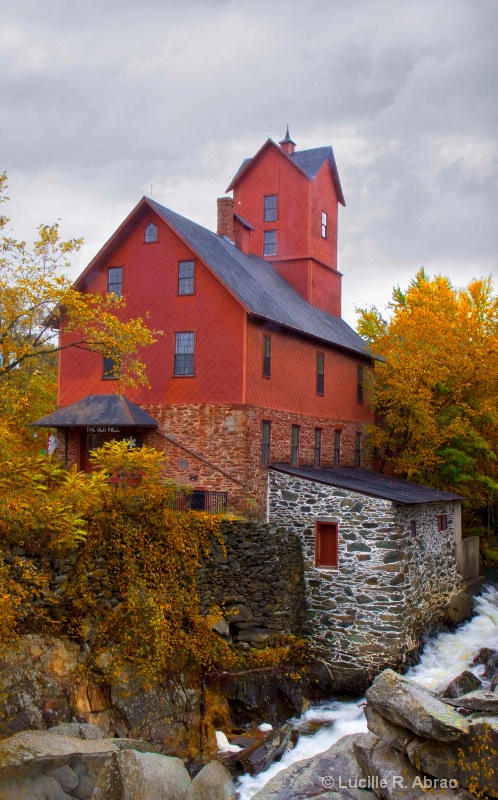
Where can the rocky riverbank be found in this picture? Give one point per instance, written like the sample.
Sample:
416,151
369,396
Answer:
47,681
418,742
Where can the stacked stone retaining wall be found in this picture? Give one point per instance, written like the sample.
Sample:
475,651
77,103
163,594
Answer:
262,570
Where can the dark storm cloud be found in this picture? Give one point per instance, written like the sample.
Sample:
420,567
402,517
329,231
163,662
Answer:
96,98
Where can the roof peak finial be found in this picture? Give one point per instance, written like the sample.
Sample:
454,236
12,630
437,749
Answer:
287,144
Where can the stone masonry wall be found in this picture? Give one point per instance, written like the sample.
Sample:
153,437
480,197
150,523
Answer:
390,587
432,574
262,572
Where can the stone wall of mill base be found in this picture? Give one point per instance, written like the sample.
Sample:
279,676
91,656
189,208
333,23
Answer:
258,582
396,580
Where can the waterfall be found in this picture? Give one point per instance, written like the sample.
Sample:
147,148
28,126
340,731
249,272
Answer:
443,658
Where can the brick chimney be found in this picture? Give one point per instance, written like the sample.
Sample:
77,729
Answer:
225,217
287,144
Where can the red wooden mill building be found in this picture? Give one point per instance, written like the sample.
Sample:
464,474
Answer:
255,365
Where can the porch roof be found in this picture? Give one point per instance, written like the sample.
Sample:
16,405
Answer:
371,483
98,410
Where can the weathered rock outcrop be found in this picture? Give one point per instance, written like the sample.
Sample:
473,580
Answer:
40,765
137,776
392,777
412,734
45,683
404,703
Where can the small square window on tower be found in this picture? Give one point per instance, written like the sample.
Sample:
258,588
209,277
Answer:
269,243
327,544
270,209
324,225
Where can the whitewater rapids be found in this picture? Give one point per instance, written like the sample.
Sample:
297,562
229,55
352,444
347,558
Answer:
442,659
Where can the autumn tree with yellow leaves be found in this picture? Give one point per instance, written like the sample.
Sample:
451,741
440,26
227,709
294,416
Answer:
436,390
35,294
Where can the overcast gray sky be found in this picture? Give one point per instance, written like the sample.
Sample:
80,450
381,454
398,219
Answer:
97,97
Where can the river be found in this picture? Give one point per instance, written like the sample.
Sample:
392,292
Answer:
442,659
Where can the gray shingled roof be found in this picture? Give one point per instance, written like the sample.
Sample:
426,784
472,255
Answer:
98,410
262,291
310,161
370,483
244,222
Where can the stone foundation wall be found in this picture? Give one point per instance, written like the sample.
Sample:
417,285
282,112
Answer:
262,571
217,447
391,586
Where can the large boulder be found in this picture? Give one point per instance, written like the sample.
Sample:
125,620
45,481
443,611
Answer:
472,760
408,705
130,775
333,774
82,730
51,766
213,782
32,765
476,701
391,734
392,776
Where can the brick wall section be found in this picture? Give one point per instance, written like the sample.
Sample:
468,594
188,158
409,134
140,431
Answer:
218,447
229,438
391,587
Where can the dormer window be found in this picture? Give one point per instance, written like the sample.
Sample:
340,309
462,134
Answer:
271,214
269,243
150,233
324,225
